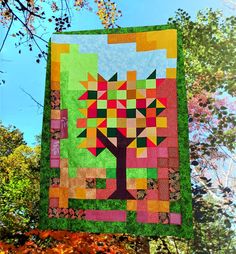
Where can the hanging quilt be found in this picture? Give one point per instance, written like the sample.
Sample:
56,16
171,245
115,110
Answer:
115,134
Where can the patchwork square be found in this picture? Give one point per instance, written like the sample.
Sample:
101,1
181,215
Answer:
115,127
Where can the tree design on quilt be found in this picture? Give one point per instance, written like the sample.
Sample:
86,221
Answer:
121,115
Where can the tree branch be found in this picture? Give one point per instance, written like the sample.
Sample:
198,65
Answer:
107,143
8,30
27,28
32,98
24,8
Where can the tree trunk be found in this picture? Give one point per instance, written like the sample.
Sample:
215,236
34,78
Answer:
119,152
121,188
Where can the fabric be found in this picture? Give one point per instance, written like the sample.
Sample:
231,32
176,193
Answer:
115,134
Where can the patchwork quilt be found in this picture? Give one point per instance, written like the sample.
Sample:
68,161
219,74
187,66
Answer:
115,134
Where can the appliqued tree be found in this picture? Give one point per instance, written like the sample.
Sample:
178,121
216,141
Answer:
121,115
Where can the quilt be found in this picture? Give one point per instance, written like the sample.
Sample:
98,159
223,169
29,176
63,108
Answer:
115,133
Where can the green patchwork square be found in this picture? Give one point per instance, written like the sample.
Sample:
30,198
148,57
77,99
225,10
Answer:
141,84
152,173
111,173
112,94
102,104
150,83
111,122
100,183
121,94
91,122
131,104
136,173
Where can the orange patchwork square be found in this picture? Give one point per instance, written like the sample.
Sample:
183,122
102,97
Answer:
131,75
152,206
53,192
163,206
151,93
55,114
80,193
141,183
131,205
151,112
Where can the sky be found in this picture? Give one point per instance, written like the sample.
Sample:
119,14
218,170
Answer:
22,72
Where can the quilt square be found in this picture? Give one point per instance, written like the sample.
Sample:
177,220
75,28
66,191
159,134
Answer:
115,134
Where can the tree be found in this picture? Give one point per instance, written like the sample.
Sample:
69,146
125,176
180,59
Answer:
125,117
19,183
33,19
208,46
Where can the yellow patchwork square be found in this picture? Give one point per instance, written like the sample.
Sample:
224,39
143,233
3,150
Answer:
80,193
170,72
131,205
131,132
91,132
121,122
151,131
141,183
161,122
92,85
141,152
91,142
164,206
63,198
111,112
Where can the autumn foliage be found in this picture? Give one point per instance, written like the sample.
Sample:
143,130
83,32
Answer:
53,242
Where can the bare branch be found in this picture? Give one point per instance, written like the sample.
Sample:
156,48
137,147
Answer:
24,8
8,30
32,98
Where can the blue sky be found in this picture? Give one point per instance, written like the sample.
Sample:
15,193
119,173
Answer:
21,71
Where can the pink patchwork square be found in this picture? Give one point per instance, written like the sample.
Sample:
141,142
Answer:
152,194
103,193
102,86
53,202
153,218
163,173
111,184
159,81
151,122
111,103
55,124
55,148
141,205
141,103
121,113
142,216
175,218
162,152
92,113
54,163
